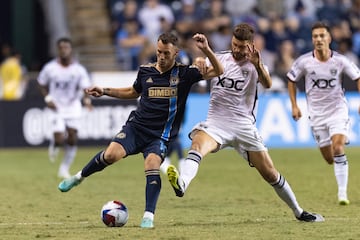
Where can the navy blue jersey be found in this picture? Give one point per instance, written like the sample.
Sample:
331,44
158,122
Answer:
163,98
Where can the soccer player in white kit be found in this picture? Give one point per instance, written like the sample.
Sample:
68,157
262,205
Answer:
231,121
62,81
323,71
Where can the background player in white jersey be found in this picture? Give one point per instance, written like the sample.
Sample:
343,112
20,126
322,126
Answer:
323,71
62,81
231,121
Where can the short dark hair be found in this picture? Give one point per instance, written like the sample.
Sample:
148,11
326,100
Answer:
244,32
169,37
63,39
320,25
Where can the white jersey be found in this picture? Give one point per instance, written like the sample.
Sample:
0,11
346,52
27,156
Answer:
323,85
233,99
234,93
65,86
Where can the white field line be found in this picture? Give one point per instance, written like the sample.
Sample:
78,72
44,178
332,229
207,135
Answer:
39,223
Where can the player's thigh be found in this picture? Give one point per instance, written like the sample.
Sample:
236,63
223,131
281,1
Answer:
114,152
203,143
131,140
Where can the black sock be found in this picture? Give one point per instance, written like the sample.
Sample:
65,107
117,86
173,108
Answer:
96,164
153,187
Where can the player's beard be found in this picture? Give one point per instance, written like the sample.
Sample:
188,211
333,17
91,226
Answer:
165,65
239,56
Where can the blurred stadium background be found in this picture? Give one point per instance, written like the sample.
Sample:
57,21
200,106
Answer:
31,27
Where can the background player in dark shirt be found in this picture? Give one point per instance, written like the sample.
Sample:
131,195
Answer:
163,87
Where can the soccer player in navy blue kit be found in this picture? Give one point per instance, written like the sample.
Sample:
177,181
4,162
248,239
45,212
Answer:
163,88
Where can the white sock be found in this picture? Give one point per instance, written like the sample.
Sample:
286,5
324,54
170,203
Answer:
68,159
149,215
190,167
180,164
284,191
164,165
341,170
79,176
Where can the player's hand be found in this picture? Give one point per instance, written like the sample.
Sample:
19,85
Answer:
296,113
201,41
49,102
94,91
253,55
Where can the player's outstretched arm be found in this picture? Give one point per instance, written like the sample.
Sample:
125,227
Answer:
123,93
216,69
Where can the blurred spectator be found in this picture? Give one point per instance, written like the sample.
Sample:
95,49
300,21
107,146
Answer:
130,40
356,42
186,18
344,47
56,21
353,18
271,9
276,34
152,16
220,40
281,25
121,11
331,12
215,17
13,77
184,55
305,17
353,15
286,55
243,12
339,31
306,8
267,57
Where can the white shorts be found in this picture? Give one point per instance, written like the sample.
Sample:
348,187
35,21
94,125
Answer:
323,133
59,124
242,138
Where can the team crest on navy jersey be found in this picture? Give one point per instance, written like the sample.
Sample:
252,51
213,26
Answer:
174,81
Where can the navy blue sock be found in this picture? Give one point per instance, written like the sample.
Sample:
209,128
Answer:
153,187
96,164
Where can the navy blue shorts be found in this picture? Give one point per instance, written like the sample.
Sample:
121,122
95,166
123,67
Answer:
134,142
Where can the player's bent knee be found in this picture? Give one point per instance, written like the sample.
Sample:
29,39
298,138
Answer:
111,157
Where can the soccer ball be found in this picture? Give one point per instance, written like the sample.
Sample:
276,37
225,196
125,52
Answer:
114,214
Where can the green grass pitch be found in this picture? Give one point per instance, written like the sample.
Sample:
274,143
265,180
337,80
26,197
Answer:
228,199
